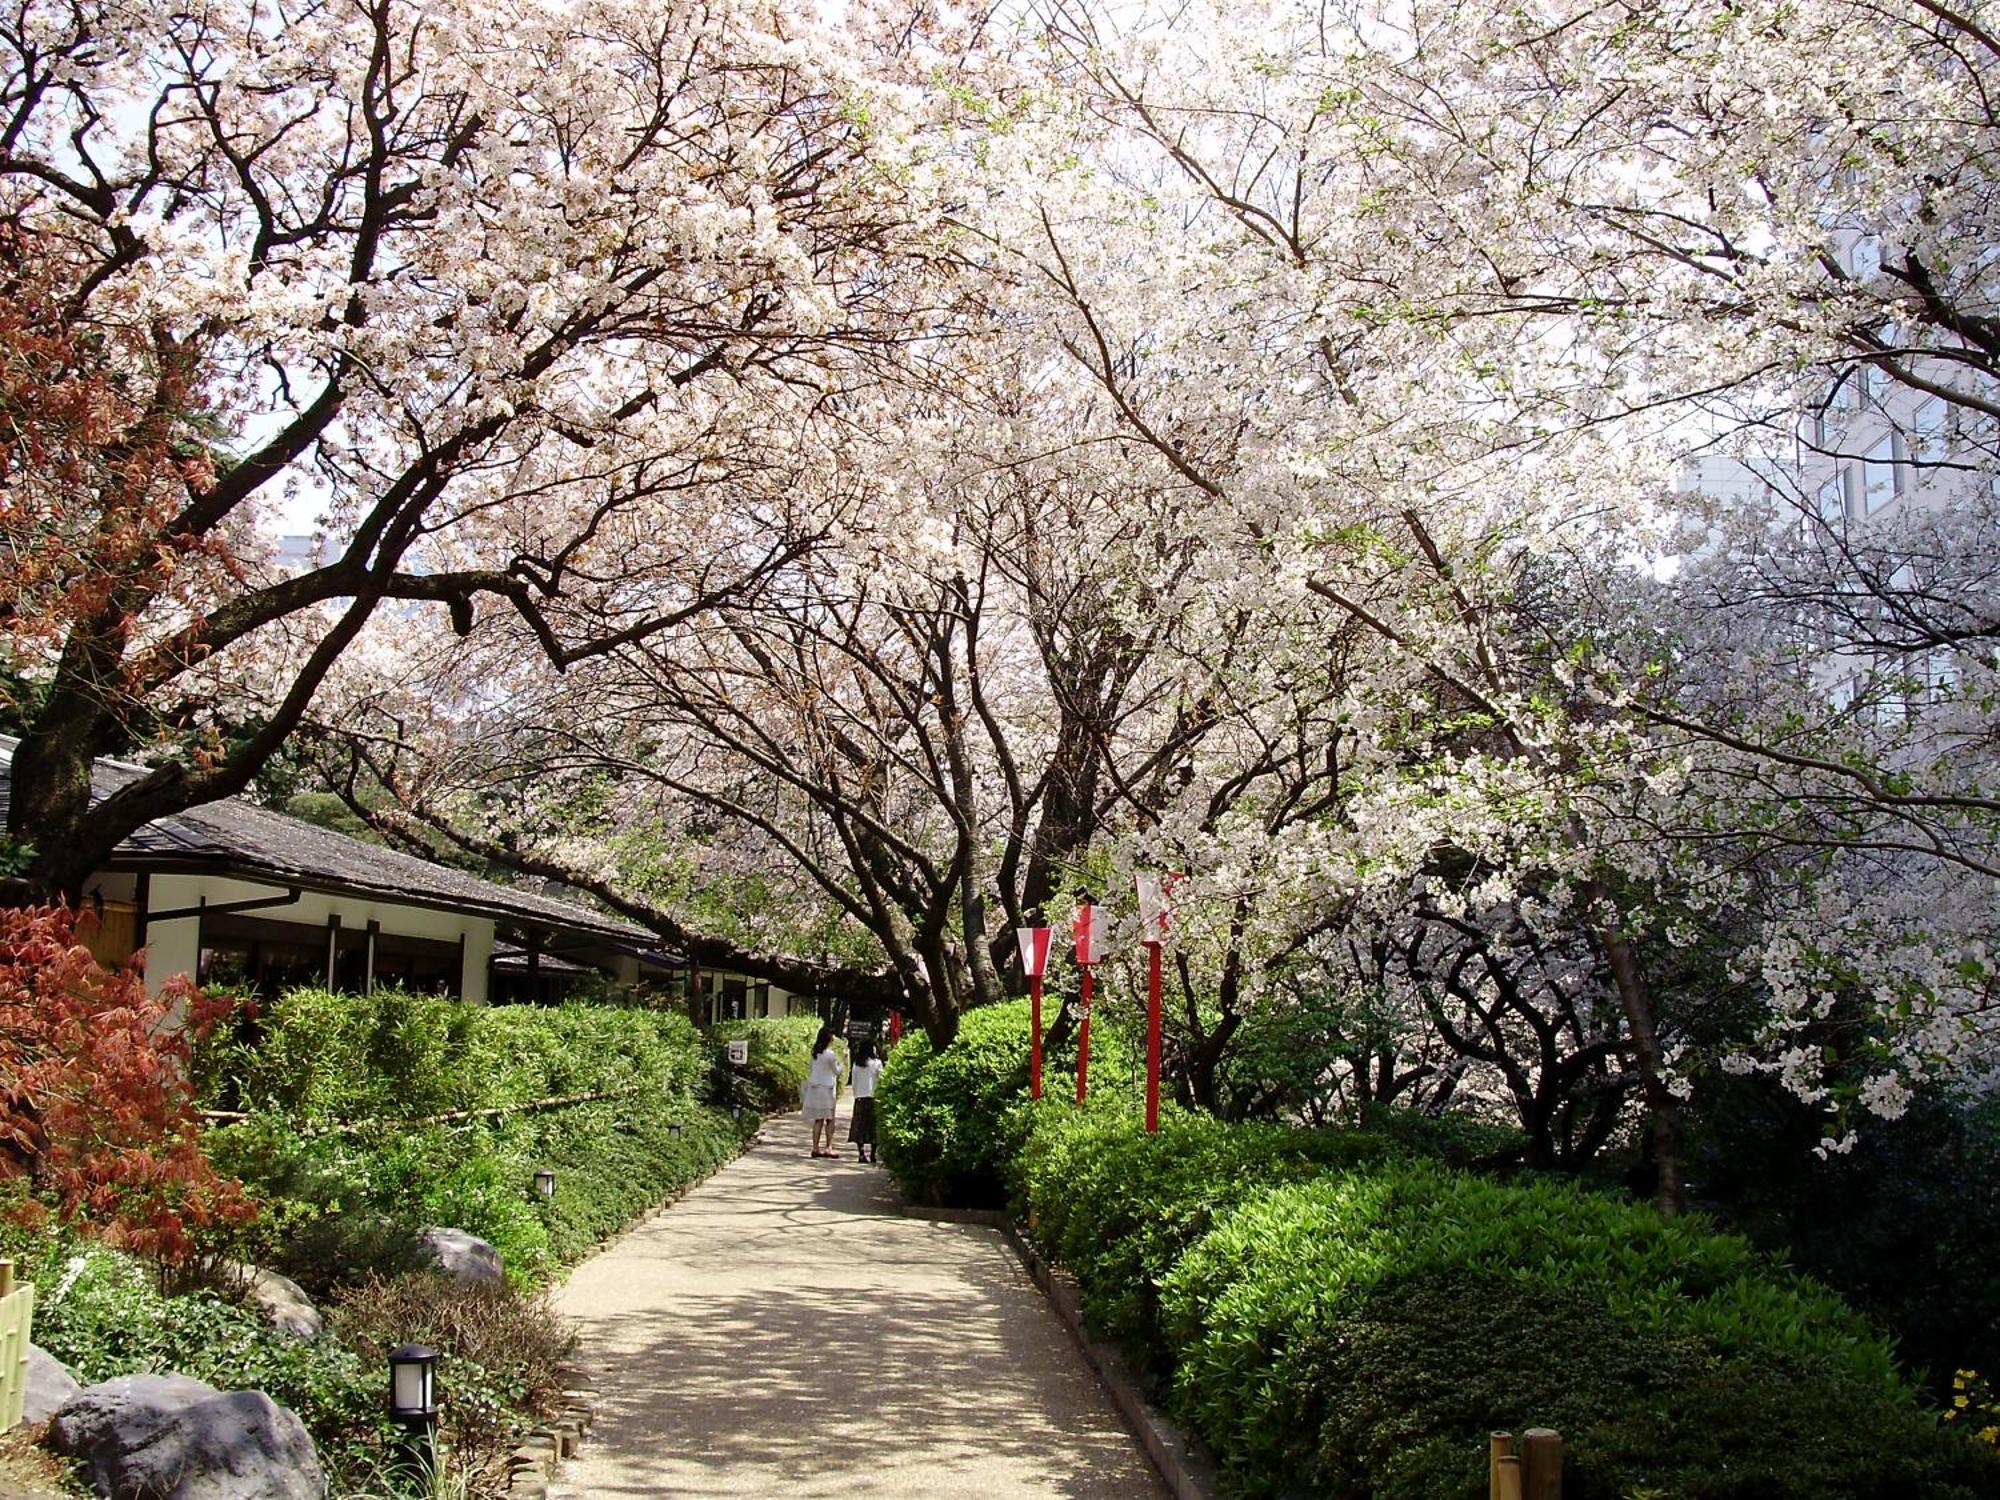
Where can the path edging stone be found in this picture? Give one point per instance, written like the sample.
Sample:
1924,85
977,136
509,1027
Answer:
533,1462
1183,1463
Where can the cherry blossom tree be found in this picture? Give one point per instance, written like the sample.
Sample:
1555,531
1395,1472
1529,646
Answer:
525,309
1421,301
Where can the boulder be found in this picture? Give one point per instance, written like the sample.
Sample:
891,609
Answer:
456,1253
50,1386
168,1437
281,1301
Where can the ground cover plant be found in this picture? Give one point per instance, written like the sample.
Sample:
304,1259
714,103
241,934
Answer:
102,1313
344,1125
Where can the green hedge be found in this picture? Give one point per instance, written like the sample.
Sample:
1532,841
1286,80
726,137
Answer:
320,1058
343,1203
1119,1209
950,1124
1407,1382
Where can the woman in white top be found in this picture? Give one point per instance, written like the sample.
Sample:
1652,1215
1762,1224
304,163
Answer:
822,1088
861,1129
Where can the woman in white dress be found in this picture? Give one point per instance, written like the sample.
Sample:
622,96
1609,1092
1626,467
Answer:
822,1088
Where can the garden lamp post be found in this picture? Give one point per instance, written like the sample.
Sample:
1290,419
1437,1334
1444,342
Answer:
545,1183
1156,912
1034,963
1084,931
413,1404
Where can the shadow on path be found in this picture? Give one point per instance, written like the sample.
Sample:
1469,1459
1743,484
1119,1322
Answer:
784,1331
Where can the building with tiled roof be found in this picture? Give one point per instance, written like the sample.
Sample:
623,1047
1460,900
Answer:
234,893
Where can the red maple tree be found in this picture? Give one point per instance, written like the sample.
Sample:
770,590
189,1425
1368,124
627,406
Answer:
97,1106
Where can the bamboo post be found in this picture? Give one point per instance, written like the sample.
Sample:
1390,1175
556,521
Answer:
1498,1446
17,1308
1541,1464
6,1278
1507,1477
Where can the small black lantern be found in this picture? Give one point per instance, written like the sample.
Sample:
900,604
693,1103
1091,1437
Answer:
545,1183
676,1127
413,1384
413,1406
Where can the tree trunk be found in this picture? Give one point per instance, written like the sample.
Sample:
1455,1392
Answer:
49,799
1663,1108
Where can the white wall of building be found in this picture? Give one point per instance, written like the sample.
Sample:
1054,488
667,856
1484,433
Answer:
172,946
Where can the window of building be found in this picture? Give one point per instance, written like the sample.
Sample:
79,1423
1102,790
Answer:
1830,502
1881,474
1942,674
1930,428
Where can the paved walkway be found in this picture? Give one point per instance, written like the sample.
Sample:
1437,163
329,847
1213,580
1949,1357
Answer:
782,1332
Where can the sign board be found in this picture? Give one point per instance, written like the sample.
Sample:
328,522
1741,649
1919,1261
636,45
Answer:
860,1031
739,1052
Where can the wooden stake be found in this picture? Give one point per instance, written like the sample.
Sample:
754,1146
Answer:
1541,1464
1498,1446
1507,1478
6,1278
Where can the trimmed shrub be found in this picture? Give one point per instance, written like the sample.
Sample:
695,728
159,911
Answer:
951,1123
1902,1225
320,1058
1413,1379
344,1187
1267,1309
339,1208
1118,1207
616,1161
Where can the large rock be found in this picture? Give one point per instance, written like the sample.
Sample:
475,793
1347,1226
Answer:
459,1254
168,1437
282,1301
50,1386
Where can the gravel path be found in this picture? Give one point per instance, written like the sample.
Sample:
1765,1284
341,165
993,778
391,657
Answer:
783,1332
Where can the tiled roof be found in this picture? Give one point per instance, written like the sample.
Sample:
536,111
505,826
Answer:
240,838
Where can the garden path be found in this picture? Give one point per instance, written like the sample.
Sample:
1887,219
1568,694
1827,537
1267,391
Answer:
783,1331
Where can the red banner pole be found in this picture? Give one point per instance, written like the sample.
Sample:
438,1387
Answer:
1152,1037
1083,1042
1035,1037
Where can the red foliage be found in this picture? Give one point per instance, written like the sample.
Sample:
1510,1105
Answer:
99,454
97,1107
